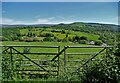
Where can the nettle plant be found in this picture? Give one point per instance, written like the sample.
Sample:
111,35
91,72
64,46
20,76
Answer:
6,68
105,71
9,68
117,50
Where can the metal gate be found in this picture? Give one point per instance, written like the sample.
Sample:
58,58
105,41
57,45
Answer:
34,61
42,61
76,57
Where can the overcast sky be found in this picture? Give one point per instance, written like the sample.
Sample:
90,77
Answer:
59,12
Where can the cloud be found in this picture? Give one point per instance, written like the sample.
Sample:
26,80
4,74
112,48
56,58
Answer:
11,21
41,21
51,20
37,21
0,21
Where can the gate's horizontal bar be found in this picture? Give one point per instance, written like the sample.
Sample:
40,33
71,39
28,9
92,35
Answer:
83,60
88,46
38,70
29,46
33,65
71,66
36,53
37,74
35,60
76,60
55,46
87,53
25,65
73,72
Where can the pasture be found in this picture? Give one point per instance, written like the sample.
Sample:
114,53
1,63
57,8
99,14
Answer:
57,53
68,61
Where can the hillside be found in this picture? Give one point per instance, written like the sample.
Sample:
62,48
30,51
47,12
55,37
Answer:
75,24
77,32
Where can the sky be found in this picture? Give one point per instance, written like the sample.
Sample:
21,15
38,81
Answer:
60,0
59,12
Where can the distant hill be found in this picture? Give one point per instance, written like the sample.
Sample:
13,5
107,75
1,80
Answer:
96,25
34,25
75,24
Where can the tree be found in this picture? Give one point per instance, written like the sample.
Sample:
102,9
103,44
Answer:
63,31
48,39
98,43
76,38
29,34
83,38
83,42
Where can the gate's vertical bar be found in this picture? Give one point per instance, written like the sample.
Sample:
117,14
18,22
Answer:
11,64
1,41
106,54
58,63
64,59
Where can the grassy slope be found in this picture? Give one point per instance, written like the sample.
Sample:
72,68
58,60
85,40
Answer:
59,35
61,44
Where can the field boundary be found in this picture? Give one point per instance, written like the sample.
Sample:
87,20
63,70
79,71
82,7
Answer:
11,50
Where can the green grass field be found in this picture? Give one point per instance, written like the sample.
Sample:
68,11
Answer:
48,65
59,35
54,50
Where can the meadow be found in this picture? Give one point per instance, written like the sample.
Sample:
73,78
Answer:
71,63
69,60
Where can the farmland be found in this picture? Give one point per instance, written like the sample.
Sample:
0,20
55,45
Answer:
19,39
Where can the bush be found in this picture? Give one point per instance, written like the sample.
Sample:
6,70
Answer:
83,42
70,39
48,39
5,39
46,35
65,40
83,38
98,43
35,40
76,38
29,40
63,31
106,71
9,69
